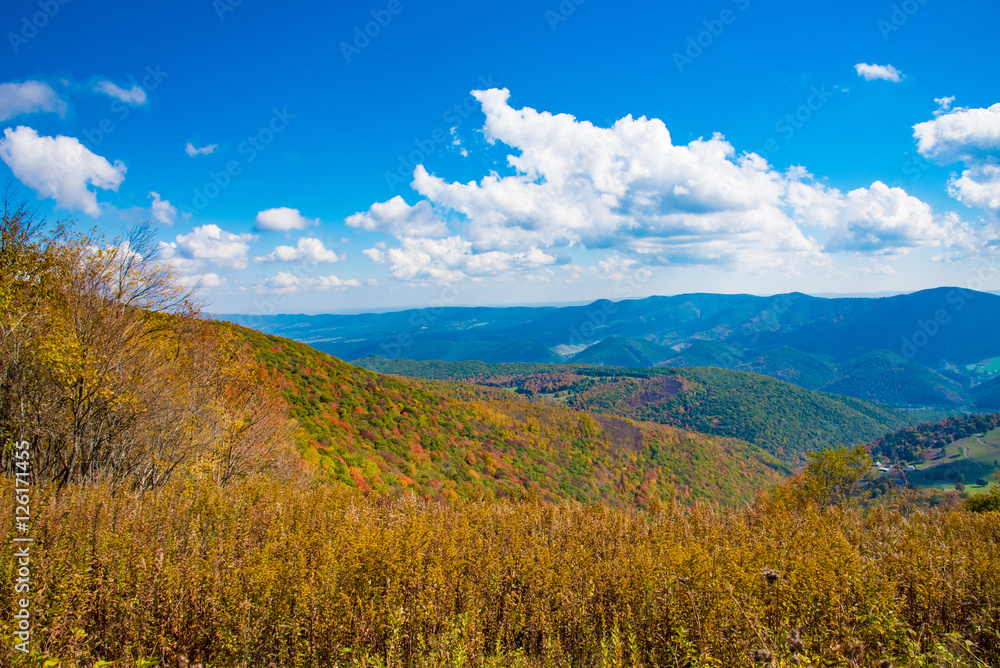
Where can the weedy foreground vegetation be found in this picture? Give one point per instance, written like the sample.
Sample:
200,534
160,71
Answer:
264,574
172,526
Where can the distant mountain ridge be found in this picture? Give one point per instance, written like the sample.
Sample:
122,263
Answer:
937,343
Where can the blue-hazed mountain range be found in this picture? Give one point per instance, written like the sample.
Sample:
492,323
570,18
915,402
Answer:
933,348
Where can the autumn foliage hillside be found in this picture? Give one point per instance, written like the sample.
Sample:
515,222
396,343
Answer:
783,419
385,435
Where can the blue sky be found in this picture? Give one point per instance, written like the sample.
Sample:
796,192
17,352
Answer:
302,165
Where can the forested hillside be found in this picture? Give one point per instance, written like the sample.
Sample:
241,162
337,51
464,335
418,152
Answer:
386,435
906,444
784,419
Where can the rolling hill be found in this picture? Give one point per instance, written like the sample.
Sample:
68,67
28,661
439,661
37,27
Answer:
986,396
620,351
383,434
882,376
781,418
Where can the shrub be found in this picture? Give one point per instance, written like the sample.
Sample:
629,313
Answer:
984,502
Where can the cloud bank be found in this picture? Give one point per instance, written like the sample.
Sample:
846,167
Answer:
629,190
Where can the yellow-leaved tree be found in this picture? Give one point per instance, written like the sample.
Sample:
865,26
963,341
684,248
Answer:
109,371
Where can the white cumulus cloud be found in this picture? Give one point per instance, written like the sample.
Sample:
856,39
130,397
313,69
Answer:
873,72
958,134
29,97
399,219
881,221
284,283
971,136
282,219
944,104
452,259
135,95
208,243
308,250
979,185
207,280
60,168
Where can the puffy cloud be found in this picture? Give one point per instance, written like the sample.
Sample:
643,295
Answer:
578,184
282,219
308,250
210,280
284,283
192,150
207,280
978,186
959,134
59,167
400,219
163,211
629,189
971,136
207,243
452,259
29,97
134,95
887,221
873,72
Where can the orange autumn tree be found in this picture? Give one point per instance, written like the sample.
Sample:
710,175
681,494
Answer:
108,369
